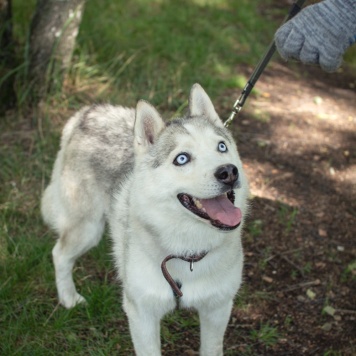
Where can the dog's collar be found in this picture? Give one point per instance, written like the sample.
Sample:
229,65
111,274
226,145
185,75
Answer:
175,285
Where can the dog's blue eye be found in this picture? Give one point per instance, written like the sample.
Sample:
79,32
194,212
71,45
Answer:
222,147
181,159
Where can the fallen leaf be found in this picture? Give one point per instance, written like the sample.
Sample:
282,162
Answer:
311,295
329,310
322,232
267,279
320,264
300,298
327,326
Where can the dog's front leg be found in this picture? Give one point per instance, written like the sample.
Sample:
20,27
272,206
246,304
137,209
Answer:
144,322
213,323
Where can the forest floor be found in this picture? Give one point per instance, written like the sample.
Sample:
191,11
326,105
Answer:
297,140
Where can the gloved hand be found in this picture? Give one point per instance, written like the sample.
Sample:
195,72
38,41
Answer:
319,34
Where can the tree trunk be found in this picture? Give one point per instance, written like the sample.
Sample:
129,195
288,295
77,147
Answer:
7,60
53,31
5,29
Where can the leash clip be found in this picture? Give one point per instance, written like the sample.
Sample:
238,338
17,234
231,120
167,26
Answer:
191,266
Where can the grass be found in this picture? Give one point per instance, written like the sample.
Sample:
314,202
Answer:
176,42
287,217
266,335
255,228
125,50
154,49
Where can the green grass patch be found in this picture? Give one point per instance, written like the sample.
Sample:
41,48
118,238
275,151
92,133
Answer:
160,47
266,335
155,49
287,217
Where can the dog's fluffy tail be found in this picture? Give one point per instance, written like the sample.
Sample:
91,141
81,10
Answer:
51,204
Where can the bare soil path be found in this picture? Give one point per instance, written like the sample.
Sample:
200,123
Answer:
298,141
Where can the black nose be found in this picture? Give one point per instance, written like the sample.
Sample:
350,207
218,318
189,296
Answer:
227,174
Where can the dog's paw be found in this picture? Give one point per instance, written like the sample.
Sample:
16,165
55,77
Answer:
71,301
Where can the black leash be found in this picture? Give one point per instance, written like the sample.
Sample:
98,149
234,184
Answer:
296,7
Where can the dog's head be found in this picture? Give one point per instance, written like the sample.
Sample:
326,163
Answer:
192,162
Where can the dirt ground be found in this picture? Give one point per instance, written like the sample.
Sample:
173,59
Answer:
297,139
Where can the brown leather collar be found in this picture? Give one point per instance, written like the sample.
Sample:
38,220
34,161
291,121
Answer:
174,285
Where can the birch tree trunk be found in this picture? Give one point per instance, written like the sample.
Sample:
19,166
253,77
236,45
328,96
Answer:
53,32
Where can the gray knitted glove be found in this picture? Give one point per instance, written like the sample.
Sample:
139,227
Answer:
319,34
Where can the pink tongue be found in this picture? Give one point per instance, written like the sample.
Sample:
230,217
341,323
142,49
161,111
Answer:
221,208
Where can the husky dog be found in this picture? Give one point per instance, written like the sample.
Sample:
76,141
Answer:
175,197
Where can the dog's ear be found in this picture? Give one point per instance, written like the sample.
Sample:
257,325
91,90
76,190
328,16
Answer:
201,105
148,124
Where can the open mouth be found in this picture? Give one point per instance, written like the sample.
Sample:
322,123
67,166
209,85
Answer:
220,211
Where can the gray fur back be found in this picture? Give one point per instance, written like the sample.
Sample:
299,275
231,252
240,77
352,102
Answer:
101,139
